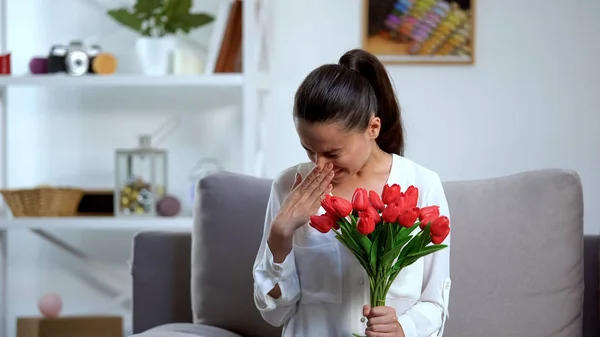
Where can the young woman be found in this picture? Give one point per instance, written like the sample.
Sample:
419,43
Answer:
349,123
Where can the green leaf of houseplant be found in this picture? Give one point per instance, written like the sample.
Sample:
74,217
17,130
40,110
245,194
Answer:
147,7
175,8
126,18
187,23
195,20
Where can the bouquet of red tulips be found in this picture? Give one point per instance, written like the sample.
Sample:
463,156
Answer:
379,231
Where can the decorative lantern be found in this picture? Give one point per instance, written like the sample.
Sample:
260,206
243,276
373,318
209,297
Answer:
141,179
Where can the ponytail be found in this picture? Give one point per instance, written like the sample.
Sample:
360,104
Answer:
391,136
349,93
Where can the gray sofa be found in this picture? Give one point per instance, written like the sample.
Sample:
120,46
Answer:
519,261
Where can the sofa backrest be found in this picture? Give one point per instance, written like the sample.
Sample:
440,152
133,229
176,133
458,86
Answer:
225,240
516,254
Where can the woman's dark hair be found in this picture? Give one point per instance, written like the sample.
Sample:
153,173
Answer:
349,93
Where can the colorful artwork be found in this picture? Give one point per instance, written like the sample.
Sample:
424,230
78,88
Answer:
419,31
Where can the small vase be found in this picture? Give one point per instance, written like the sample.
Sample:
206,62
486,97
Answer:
154,54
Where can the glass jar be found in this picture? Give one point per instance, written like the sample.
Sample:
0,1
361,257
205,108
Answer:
141,179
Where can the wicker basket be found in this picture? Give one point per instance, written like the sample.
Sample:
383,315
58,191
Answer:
43,201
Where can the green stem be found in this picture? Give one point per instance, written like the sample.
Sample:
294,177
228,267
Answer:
378,291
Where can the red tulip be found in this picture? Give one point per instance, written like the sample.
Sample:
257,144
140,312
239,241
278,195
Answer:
412,196
390,193
366,223
360,200
391,212
438,239
322,223
428,214
440,228
335,220
402,201
337,206
408,217
374,214
376,201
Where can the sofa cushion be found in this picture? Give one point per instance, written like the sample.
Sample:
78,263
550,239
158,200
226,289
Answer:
517,256
230,212
185,330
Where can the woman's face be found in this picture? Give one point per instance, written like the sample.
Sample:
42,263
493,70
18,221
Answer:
348,151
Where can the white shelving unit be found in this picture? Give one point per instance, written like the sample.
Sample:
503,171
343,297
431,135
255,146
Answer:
119,80
97,223
251,84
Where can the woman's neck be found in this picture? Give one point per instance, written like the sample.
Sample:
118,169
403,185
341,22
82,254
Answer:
379,162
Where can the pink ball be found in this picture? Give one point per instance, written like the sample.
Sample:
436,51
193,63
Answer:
50,305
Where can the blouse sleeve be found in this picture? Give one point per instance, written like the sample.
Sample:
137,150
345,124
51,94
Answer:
267,274
428,316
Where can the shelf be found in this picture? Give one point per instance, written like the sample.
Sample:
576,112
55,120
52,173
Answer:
98,223
122,80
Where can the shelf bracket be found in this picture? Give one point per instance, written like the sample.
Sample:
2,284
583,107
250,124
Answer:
108,277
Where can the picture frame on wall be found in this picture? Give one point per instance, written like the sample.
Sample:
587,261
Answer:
420,31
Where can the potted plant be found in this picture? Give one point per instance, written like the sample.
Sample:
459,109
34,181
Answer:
157,22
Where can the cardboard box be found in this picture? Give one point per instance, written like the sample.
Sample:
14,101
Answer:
70,326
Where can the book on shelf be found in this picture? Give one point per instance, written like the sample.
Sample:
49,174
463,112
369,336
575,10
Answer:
225,49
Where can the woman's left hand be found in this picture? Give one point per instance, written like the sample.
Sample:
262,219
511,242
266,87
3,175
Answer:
382,322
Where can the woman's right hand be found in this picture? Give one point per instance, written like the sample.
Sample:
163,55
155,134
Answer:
303,201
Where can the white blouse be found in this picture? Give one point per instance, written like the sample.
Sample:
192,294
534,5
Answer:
324,288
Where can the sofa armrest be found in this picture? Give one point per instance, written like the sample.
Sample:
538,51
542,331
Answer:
161,279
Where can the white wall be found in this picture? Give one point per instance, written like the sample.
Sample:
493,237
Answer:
535,62
530,101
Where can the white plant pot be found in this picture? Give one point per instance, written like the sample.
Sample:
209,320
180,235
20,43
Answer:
154,54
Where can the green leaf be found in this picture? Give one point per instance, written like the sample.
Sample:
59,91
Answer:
349,238
363,240
176,8
357,240
365,243
425,237
161,17
357,253
147,7
406,231
179,16
412,258
409,248
428,250
126,18
375,251
389,239
394,253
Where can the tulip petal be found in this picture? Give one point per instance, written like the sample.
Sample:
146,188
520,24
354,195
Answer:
412,196
365,224
322,223
390,193
360,200
376,201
